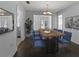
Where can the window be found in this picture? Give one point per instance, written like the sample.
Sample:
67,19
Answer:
42,21
60,22
46,22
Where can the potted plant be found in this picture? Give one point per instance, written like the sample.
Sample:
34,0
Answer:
28,26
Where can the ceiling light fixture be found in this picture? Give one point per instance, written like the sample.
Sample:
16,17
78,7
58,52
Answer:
2,12
46,12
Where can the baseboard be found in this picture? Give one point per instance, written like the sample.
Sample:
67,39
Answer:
12,52
75,43
20,40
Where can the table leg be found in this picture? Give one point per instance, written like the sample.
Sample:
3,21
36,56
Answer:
51,45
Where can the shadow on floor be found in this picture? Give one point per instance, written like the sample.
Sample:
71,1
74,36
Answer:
25,49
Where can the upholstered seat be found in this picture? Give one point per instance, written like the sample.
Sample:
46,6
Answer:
63,41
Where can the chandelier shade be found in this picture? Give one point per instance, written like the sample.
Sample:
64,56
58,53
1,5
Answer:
47,13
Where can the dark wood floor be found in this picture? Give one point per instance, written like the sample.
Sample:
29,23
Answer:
25,49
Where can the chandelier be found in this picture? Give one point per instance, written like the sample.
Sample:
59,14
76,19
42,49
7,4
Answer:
46,12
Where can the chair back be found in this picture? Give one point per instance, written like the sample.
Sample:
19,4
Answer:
58,30
67,35
37,40
36,35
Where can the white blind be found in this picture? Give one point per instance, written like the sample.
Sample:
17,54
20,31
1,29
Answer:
60,22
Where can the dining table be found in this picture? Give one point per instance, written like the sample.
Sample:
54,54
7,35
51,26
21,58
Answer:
51,39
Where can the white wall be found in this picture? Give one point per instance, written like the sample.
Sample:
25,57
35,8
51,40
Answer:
8,40
21,16
31,13
71,11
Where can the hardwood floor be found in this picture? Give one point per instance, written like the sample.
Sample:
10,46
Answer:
25,49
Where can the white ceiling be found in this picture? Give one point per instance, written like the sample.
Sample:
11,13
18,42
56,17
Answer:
52,5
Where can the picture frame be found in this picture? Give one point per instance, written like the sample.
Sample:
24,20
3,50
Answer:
72,22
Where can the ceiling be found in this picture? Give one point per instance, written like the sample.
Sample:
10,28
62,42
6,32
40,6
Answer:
52,5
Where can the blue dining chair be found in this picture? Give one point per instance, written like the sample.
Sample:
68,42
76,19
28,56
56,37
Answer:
37,40
59,31
55,29
65,39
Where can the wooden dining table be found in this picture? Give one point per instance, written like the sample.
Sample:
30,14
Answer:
51,39
50,33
